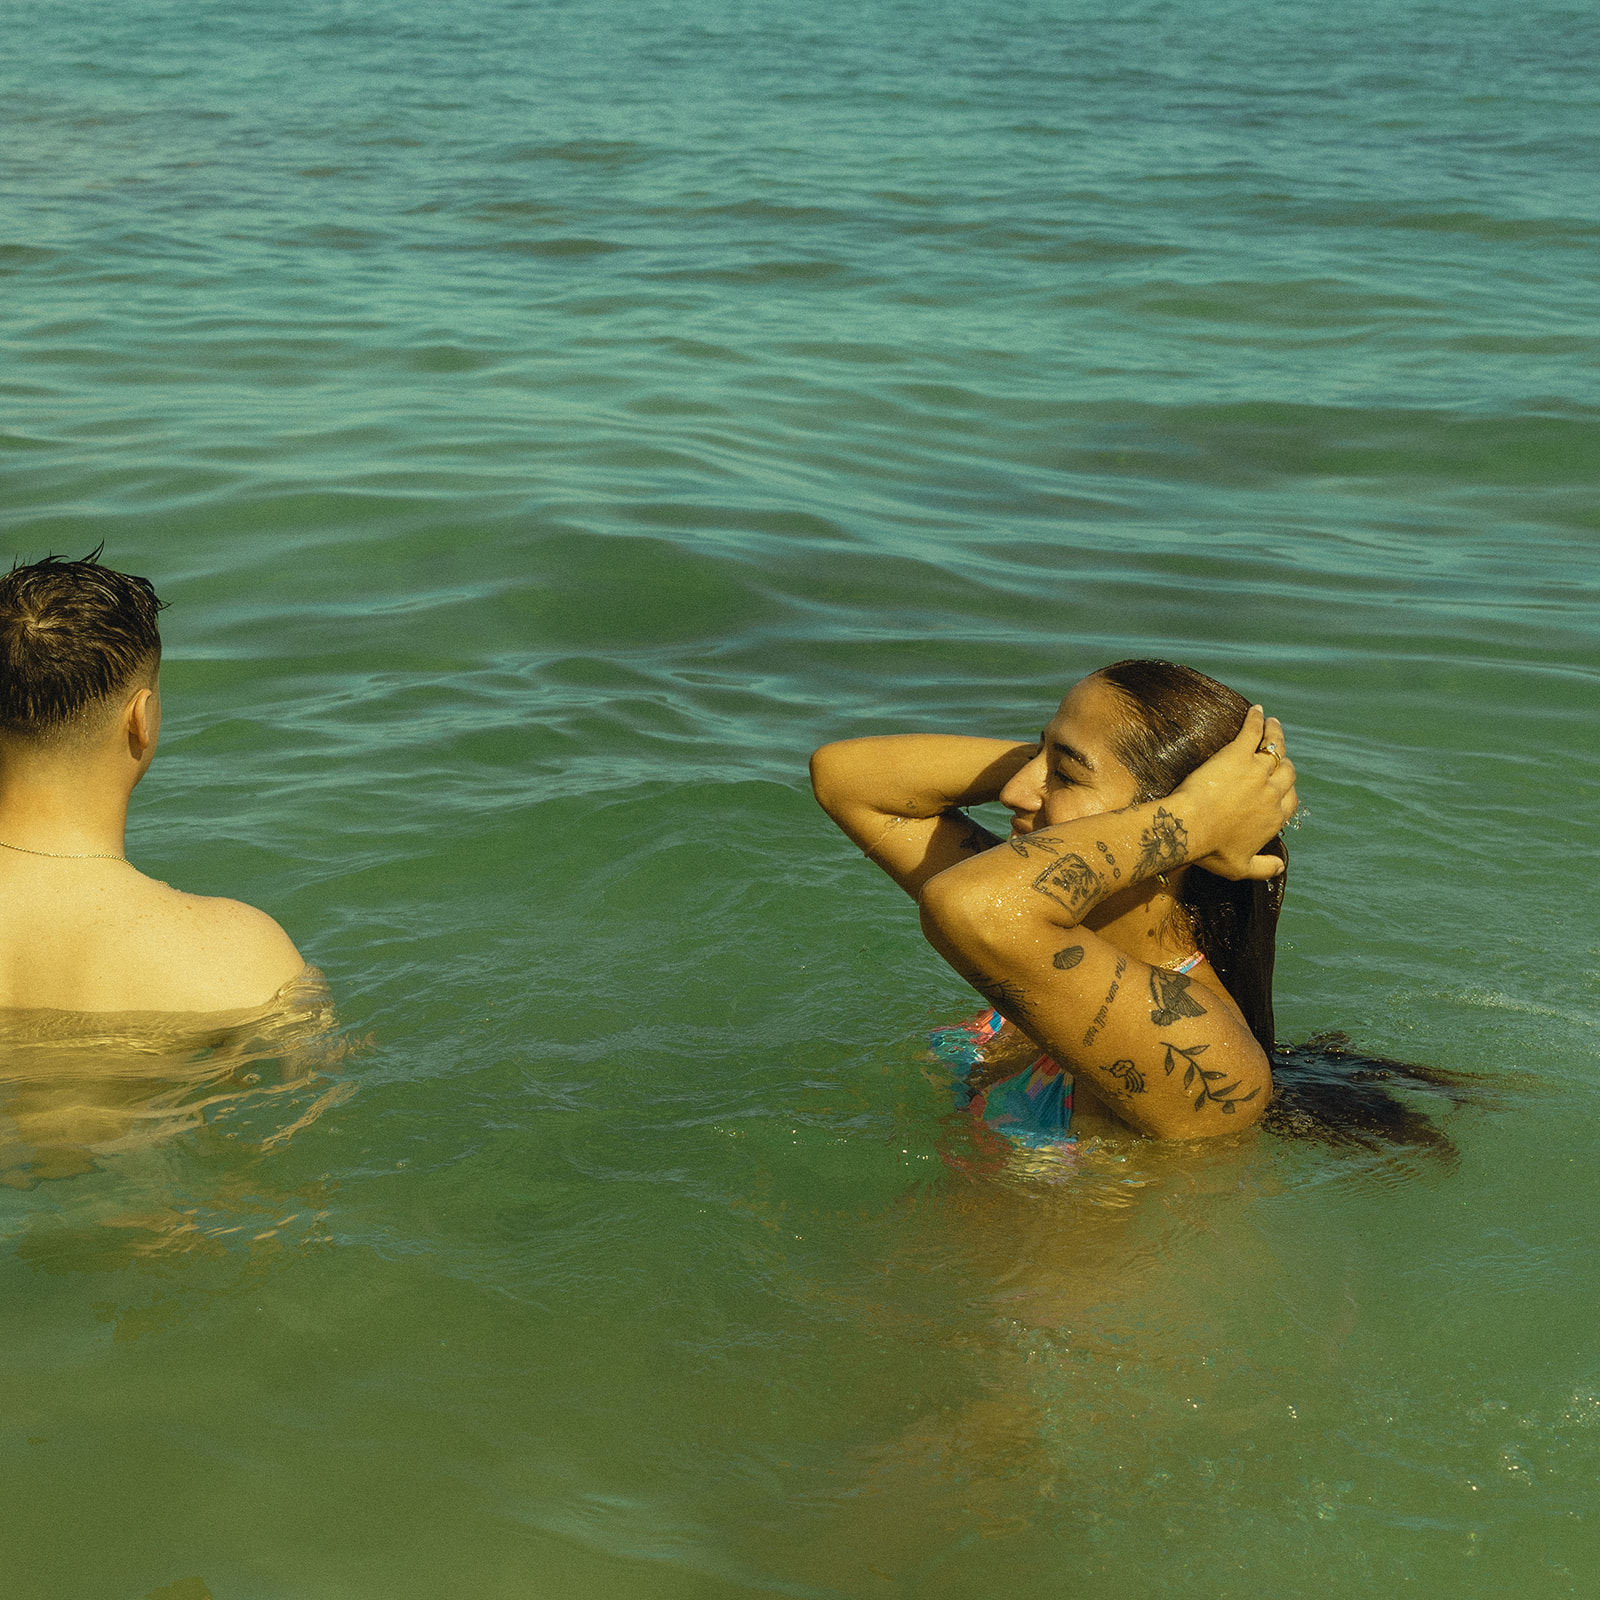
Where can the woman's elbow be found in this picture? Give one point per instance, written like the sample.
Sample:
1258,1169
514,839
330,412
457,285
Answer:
939,897
825,776
956,911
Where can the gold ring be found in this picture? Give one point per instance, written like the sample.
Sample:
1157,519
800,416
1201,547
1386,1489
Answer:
1271,750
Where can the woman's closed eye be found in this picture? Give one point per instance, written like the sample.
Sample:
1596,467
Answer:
1057,773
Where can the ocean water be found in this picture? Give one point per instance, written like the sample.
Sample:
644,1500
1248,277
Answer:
548,420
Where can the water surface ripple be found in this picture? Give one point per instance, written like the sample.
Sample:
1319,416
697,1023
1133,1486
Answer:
548,421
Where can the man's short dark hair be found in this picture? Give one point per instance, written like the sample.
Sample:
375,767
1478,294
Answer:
72,634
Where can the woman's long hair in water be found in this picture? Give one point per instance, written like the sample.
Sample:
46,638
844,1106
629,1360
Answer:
1322,1090
1176,719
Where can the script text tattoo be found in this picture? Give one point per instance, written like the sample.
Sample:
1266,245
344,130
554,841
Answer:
1111,994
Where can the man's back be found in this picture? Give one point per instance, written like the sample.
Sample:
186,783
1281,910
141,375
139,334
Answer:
80,716
98,935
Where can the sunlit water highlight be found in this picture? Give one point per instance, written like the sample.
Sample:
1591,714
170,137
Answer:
550,421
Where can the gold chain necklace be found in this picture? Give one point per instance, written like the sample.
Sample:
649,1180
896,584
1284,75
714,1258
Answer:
55,855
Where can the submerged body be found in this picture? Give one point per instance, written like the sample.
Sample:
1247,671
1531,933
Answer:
127,1008
1077,927
78,1085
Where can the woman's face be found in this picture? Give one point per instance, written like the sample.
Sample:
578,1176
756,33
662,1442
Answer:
1074,774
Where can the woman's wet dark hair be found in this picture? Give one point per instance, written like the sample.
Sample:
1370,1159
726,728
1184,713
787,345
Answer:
1176,719
1323,1090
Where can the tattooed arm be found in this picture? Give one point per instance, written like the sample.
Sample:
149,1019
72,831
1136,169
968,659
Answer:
1168,1053
900,797
1059,874
1219,817
1054,923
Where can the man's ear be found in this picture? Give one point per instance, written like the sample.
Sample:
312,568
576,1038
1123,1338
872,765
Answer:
143,722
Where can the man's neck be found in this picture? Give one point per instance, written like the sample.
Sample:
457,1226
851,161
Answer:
62,808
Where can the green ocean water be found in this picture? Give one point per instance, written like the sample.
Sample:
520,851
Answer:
549,421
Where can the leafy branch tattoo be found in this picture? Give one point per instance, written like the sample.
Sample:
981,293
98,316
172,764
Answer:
1022,843
1164,844
1071,882
1224,1098
1169,991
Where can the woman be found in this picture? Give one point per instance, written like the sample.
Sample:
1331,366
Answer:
1127,928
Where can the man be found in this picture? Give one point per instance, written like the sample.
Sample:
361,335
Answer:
80,710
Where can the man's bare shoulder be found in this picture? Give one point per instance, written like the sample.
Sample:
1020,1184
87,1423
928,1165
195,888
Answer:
132,943
215,953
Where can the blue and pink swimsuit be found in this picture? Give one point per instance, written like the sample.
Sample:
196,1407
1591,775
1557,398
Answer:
1034,1106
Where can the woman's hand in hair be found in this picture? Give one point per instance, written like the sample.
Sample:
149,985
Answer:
1238,800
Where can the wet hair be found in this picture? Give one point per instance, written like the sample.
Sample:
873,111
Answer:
1176,719
72,635
1323,1090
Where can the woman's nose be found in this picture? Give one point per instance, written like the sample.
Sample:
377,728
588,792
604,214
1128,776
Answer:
1024,790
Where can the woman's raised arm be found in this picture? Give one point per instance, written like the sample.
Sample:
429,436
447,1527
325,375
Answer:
1171,1055
899,797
